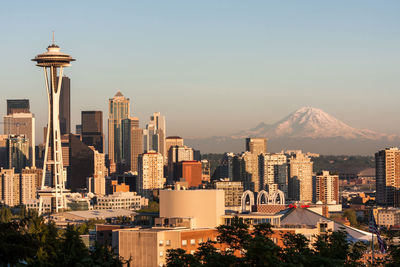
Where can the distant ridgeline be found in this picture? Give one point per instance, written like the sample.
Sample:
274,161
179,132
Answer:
335,164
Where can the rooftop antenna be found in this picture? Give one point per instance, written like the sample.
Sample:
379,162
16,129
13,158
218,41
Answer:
53,37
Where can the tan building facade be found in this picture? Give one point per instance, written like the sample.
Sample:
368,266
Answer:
206,206
300,176
150,172
387,176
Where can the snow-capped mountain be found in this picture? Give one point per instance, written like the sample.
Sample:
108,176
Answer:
309,122
308,128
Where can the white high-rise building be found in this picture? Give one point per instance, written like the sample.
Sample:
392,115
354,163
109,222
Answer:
150,173
300,176
154,134
273,171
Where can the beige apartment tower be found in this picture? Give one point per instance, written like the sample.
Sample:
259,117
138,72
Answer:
388,177
256,145
300,169
150,173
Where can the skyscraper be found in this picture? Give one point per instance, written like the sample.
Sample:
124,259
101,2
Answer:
387,176
300,169
65,105
132,142
154,135
150,173
53,62
17,152
19,120
256,145
17,106
118,110
327,188
92,129
273,171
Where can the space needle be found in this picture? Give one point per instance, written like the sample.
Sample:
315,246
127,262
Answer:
53,180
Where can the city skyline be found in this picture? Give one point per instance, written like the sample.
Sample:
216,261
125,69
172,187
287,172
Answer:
285,64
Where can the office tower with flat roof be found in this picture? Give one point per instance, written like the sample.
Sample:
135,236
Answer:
17,152
300,173
256,145
17,106
65,105
387,176
173,141
273,171
19,120
150,173
249,174
327,188
53,62
85,161
233,191
177,154
132,143
154,135
92,129
118,110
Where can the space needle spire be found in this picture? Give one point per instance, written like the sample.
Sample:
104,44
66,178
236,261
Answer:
53,62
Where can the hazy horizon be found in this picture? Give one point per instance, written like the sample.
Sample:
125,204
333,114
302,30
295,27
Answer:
212,68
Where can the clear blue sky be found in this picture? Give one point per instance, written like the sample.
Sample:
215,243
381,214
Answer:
212,67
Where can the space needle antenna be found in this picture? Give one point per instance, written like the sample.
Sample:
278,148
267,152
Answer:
53,38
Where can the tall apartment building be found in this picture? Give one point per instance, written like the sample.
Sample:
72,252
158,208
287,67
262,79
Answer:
3,151
150,173
256,145
154,135
327,188
273,172
16,188
97,183
177,154
300,173
65,105
387,176
17,152
92,129
118,110
132,143
249,173
19,120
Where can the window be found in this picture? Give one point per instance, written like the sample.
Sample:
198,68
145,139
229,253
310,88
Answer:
161,242
192,242
192,252
184,242
168,243
200,240
161,253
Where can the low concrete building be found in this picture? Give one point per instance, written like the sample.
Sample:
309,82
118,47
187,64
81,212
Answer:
388,217
121,200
